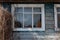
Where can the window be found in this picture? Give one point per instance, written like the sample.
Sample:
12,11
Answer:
28,17
57,16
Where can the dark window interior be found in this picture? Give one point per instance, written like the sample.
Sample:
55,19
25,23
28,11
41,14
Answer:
58,20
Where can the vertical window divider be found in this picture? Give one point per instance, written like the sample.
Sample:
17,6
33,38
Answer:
13,16
23,17
32,17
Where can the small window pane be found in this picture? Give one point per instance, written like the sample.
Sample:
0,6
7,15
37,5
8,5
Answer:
18,21
37,9
37,20
27,9
58,20
28,20
58,9
19,9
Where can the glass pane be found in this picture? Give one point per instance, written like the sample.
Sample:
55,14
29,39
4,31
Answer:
27,9
37,20
18,21
28,20
58,9
19,9
37,9
58,20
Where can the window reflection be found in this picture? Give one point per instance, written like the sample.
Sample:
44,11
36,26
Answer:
28,20
19,9
58,9
24,18
58,20
37,9
27,9
37,20
18,20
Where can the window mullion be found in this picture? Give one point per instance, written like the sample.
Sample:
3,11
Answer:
23,17
32,17
13,17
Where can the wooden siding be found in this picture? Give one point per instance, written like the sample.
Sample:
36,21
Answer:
30,1
36,35
27,35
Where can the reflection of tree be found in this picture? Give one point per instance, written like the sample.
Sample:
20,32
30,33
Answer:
18,24
28,26
28,21
37,20
38,24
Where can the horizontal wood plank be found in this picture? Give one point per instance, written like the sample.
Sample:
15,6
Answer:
29,0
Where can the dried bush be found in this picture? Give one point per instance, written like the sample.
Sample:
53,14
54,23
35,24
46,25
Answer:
5,24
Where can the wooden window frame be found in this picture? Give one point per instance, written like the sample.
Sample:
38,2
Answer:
29,5
55,12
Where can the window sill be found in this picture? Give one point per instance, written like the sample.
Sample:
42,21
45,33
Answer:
28,29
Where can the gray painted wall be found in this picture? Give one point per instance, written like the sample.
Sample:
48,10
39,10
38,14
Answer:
49,22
